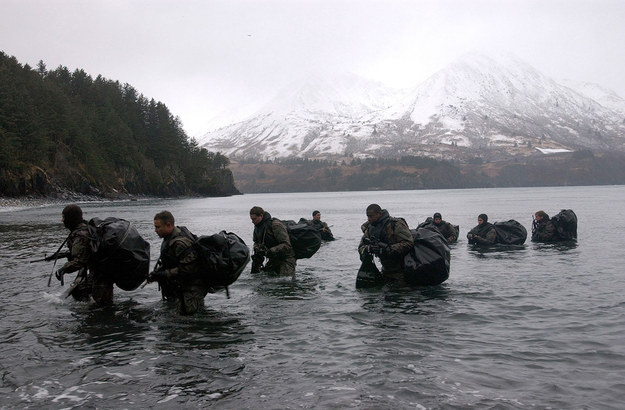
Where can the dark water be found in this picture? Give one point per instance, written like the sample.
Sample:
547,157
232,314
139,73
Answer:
535,326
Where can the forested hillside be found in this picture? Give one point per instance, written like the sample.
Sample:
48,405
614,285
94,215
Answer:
301,175
63,131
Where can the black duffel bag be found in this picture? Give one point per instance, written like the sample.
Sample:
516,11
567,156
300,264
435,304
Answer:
428,261
119,251
510,232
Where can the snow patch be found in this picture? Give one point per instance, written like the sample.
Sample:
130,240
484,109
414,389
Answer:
552,150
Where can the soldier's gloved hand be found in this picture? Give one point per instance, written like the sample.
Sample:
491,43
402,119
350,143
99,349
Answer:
59,274
156,275
374,249
365,256
385,249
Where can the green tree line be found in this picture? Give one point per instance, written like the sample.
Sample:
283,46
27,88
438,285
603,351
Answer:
62,129
412,172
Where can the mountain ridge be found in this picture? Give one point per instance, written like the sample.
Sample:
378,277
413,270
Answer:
476,106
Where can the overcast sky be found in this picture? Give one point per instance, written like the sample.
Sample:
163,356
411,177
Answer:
205,58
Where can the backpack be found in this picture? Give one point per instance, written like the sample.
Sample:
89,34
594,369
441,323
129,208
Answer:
118,249
428,261
325,236
566,224
510,232
223,256
429,220
305,239
429,224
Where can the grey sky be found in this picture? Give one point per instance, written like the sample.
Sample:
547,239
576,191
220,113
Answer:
205,58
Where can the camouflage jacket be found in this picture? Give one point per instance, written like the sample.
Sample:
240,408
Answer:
178,257
271,234
323,228
544,231
447,230
391,231
80,249
483,234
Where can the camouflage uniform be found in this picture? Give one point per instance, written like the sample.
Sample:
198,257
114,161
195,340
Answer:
485,234
89,281
326,234
184,283
393,232
271,235
446,229
544,231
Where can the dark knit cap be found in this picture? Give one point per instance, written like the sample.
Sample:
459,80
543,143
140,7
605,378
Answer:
72,216
483,217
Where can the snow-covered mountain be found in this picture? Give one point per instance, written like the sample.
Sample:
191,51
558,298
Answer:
476,105
603,96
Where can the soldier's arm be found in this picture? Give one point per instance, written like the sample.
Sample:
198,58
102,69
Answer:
325,227
187,259
453,234
362,246
81,253
537,234
404,239
490,237
470,234
282,236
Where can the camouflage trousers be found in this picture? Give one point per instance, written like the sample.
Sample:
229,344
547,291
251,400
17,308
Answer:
93,285
188,299
281,267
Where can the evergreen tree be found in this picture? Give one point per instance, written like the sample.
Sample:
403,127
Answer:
98,134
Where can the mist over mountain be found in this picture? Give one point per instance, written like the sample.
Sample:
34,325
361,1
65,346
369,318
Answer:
489,107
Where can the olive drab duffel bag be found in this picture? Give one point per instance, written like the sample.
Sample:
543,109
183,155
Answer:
428,261
566,224
510,232
118,250
305,239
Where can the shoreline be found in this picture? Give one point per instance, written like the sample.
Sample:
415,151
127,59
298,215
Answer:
17,203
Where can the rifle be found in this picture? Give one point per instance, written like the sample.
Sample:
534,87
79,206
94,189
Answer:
258,258
159,265
80,277
372,245
534,223
369,275
53,257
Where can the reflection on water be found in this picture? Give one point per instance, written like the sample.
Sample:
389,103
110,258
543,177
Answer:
108,329
556,246
303,286
391,298
497,250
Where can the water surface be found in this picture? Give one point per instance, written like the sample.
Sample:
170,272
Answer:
530,326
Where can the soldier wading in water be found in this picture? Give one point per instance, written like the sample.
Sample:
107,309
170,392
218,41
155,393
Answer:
89,281
387,238
178,271
271,240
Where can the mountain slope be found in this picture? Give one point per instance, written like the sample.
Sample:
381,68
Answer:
477,105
